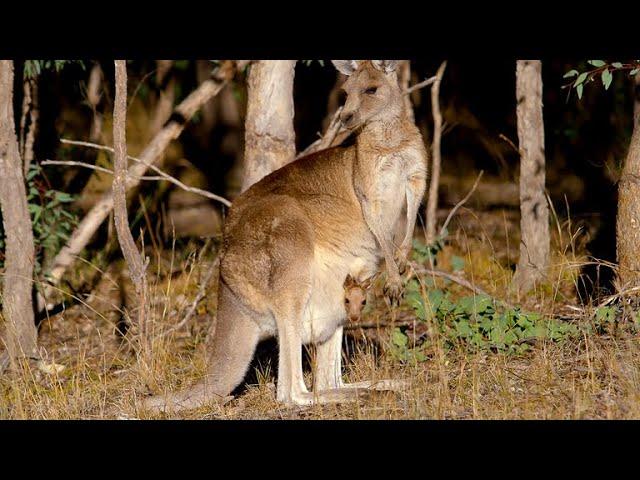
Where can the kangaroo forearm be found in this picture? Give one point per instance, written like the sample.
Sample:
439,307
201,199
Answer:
372,219
415,193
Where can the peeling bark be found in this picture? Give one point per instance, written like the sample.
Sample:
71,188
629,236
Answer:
17,281
628,219
269,133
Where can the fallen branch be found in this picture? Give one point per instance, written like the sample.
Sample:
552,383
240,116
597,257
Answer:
173,128
418,269
162,174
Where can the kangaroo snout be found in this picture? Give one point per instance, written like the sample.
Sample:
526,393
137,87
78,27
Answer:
347,119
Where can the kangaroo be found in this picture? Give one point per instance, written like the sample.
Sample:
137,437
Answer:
290,240
355,297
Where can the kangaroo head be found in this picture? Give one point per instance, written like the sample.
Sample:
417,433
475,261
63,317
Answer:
355,297
373,92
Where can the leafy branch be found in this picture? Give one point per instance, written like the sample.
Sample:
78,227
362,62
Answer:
601,69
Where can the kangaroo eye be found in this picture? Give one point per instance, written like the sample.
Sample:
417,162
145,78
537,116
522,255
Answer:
364,302
346,300
371,90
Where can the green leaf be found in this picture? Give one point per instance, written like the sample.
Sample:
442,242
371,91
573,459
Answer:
398,338
457,263
597,63
634,71
570,73
616,65
581,78
579,91
607,77
415,301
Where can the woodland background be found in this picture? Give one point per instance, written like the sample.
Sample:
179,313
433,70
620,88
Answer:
565,349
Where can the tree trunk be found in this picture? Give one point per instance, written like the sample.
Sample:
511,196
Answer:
628,220
534,210
269,134
132,257
17,281
404,79
28,131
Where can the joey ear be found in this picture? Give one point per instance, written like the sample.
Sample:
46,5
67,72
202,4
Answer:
346,67
387,66
349,281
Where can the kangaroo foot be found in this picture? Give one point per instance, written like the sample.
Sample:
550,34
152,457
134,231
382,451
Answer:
336,395
197,397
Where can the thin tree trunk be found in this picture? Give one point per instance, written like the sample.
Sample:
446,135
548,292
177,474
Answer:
132,257
100,211
269,134
404,78
17,308
432,200
534,210
628,220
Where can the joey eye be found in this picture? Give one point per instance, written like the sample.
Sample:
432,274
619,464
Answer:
371,90
346,300
364,302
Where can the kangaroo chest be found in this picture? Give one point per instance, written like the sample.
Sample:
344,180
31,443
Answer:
389,188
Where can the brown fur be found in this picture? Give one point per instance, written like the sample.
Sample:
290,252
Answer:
291,238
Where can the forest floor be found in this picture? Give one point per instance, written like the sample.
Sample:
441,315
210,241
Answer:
92,373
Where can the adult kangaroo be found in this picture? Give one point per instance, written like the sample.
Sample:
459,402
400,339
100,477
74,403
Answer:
292,238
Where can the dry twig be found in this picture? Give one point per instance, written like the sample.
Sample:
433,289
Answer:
432,200
460,203
162,174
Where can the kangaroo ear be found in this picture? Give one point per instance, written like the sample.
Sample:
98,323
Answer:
349,281
347,67
387,66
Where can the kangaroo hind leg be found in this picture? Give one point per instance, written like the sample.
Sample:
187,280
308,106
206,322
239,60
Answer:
329,372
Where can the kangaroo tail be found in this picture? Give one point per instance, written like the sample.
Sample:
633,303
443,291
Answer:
232,347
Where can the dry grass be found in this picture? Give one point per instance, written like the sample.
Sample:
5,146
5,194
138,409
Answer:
592,376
